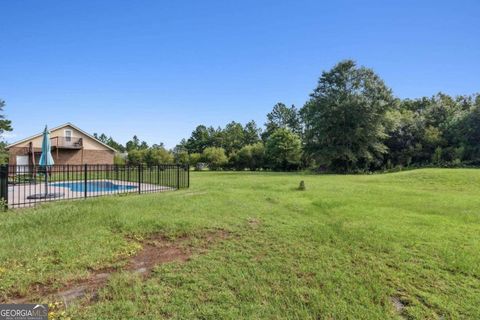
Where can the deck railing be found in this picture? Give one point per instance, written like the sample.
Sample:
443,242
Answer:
67,142
22,186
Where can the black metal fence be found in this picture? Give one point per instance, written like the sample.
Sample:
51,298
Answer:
22,186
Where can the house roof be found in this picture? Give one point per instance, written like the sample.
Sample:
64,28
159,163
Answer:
60,127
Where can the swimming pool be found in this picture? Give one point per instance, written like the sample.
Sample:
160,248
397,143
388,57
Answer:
94,186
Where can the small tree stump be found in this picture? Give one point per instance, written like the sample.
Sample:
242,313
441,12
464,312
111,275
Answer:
302,186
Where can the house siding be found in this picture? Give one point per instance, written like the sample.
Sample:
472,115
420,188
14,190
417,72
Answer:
88,143
89,156
92,151
98,156
14,152
67,156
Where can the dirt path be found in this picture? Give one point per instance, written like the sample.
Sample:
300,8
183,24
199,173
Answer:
155,250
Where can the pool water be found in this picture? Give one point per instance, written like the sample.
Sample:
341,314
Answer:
94,186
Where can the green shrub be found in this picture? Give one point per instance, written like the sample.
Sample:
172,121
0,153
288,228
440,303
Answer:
283,150
215,157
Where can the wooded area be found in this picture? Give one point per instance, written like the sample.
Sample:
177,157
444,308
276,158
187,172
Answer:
351,122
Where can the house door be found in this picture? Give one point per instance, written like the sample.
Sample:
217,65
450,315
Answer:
22,165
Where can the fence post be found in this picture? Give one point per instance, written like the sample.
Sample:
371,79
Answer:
178,176
85,178
4,184
188,175
139,178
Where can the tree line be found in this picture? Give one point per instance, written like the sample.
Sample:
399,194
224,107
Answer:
137,152
351,122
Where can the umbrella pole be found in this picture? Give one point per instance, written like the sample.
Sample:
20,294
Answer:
46,181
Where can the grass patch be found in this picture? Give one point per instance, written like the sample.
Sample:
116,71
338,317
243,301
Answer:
380,246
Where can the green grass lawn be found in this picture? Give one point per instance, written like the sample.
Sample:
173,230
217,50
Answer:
344,248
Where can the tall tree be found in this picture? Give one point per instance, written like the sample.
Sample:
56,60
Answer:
283,150
5,125
103,137
233,137
143,145
199,140
345,118
109,141
215,137
469,129
160,145
115,145
251,133
404,137
133,144
282,116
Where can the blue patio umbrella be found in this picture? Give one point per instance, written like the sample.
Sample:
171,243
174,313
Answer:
45,162
46,159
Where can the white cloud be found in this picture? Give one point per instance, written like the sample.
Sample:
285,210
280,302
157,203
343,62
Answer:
8,136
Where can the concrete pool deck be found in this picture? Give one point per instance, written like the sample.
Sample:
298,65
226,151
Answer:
18,194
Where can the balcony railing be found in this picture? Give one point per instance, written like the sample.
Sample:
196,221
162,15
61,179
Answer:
66,142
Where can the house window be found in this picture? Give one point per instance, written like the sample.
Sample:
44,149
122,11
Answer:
68,135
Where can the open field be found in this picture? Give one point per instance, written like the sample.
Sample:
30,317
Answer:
360,247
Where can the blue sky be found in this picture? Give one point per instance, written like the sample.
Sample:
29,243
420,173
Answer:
159,68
